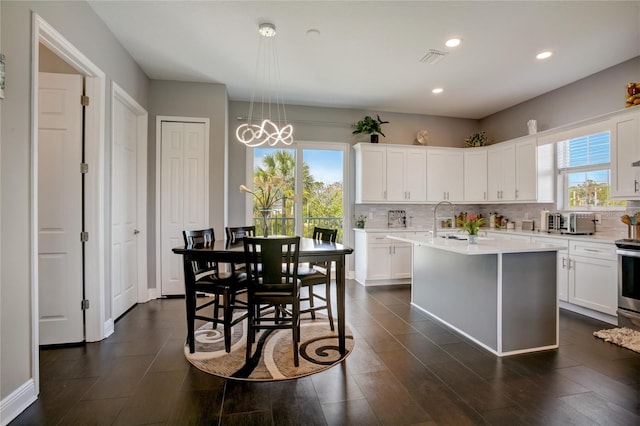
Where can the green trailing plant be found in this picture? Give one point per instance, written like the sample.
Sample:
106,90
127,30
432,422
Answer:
369,125
476,139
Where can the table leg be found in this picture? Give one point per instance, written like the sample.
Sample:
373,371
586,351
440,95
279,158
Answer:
340,290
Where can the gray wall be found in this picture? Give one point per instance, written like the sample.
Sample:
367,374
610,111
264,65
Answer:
201,100
77,22
590,97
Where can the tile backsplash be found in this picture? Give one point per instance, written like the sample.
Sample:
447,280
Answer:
422,215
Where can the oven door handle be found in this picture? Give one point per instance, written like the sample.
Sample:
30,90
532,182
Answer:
628,253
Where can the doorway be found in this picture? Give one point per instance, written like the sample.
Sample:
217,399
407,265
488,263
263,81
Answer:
128,202
94,79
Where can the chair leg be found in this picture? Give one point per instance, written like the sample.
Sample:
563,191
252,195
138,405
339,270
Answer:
295,324
227,318
190,303
250,314
216,307
311,304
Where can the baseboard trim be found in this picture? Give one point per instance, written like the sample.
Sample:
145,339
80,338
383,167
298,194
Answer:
589,312
17,402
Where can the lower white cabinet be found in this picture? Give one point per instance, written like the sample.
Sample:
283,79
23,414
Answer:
562,268
381,261
593,276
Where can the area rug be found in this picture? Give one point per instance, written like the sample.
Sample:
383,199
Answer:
273,354
625,337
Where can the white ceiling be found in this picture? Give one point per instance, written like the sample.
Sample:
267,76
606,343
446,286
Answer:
367,55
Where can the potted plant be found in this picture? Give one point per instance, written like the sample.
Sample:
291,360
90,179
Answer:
476,139
370,126
360,221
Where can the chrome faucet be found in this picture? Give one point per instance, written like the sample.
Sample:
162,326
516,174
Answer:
435,211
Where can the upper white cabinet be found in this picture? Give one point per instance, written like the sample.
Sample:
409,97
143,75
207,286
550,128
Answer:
445,174
475,174
512,173
394,174
625,149
501,173
371,173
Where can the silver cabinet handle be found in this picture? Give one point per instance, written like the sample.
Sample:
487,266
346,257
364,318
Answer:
516,193
484,195
564,262
635,185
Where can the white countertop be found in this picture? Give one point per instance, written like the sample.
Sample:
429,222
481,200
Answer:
598,237
485,245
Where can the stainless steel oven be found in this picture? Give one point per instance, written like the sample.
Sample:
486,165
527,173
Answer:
628,283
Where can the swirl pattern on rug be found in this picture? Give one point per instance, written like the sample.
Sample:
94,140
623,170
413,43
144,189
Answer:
273,354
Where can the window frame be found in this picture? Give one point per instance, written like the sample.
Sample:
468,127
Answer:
562,176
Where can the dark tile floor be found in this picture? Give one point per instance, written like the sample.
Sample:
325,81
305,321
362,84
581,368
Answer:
405,370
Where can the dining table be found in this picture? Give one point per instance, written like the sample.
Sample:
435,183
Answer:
310,250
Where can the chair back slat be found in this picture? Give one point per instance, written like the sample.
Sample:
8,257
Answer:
201,238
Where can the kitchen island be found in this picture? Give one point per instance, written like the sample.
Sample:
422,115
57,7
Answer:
501,294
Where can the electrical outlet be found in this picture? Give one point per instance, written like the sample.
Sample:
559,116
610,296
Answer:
598,218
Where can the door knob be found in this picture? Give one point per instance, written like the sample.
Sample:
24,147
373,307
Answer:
136,232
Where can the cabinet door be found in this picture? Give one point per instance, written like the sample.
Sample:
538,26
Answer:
593,283
395,174
494,173
475,174
401,261
445,175
526,171
455,175
371,176
378,261
625,149
509,176
415,171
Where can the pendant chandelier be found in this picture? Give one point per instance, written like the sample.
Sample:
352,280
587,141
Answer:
270,126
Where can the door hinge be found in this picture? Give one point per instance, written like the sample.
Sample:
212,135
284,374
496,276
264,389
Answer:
84,236
84,168
84,304
84,100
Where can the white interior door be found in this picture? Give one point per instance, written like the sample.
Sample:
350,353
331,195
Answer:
184,193
60,291
128,269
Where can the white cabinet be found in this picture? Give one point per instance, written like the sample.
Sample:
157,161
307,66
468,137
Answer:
381,261
526,170
562,265
475,174
501,173
593,276
512,173
371,176
393,174
625,149
445,174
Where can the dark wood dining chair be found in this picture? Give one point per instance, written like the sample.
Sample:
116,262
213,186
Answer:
273,288
237,233
313,274
208,278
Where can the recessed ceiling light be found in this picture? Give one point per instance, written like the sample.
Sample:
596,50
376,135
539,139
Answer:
437,90
453,42
544,55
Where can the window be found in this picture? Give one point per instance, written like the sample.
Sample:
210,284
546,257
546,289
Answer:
584,168
310,178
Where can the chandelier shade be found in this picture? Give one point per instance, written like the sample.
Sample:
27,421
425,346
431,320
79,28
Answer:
270,126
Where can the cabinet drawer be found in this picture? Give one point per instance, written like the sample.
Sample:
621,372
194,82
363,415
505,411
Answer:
596,250
550,240
380,238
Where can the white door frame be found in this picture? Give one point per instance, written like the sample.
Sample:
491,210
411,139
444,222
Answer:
155,293
142,117
95,317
